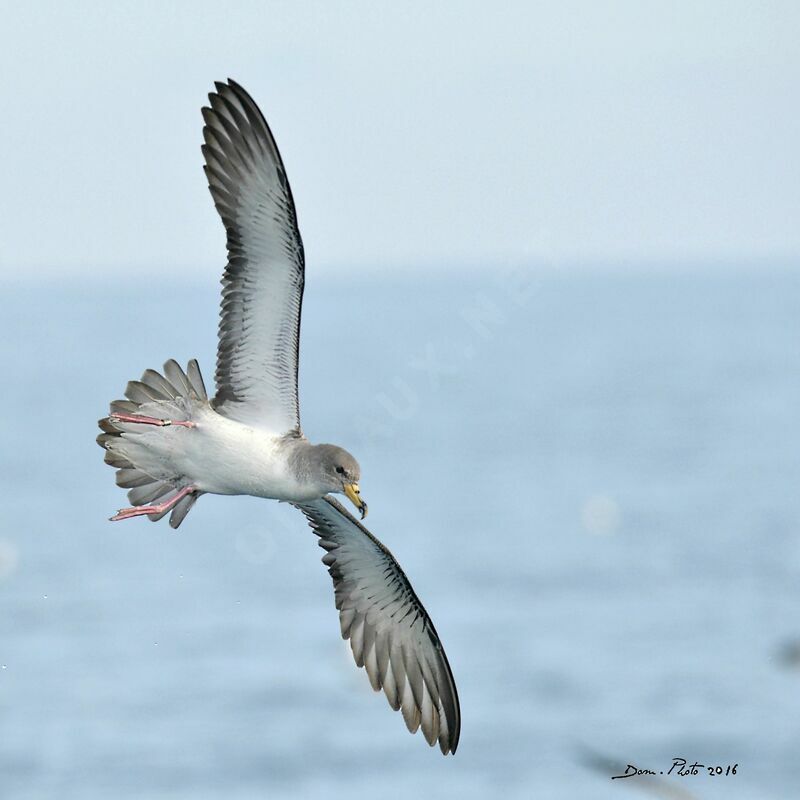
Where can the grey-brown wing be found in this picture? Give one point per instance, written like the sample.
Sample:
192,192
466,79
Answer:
262,287
390,632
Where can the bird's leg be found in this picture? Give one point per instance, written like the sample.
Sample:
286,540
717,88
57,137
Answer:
139,511
150,420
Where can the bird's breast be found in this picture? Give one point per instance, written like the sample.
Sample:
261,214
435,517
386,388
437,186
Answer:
226,457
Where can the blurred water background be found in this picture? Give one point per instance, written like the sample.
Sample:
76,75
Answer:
591,480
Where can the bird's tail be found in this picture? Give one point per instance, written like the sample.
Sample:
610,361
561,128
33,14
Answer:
140,452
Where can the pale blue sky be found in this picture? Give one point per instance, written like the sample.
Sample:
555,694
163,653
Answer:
415,134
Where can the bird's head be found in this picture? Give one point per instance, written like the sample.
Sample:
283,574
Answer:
341,474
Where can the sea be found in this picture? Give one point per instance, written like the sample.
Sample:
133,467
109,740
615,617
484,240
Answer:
591,478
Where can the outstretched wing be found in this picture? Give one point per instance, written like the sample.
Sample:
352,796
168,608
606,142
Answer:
390,632
262,288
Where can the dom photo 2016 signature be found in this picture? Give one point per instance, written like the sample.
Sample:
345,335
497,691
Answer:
682,768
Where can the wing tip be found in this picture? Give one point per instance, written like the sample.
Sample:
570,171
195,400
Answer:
452,743
223,88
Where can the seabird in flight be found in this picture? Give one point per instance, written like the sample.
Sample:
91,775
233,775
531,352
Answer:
171,443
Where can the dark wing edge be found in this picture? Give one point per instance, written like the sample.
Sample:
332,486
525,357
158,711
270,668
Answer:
390,633
263,283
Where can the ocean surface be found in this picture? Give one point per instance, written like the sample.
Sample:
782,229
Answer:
593,482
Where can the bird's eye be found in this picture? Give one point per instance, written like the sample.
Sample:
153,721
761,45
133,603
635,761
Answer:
340,470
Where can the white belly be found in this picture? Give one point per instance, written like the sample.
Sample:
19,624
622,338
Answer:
220,456
226,457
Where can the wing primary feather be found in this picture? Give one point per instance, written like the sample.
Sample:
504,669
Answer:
371,666
390,687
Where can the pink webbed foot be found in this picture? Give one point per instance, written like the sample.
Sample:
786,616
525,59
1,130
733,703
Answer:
143,420
159,508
